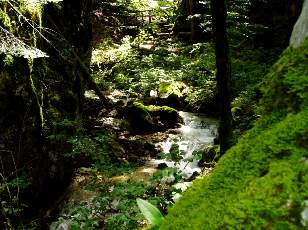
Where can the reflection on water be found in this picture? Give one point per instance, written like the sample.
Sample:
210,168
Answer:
197,133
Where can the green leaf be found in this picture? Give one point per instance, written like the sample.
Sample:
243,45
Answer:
150,212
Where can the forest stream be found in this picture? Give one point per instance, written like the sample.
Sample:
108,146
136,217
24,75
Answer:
197,132
180,152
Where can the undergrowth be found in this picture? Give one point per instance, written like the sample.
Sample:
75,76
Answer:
129,67
108,199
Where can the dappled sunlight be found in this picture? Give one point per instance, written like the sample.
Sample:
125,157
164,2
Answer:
111,109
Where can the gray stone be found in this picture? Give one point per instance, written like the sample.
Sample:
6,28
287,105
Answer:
300,30
304,214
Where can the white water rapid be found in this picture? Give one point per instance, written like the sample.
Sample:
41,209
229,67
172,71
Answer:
197,132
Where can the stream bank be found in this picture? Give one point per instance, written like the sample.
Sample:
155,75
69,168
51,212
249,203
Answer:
140,146
104,196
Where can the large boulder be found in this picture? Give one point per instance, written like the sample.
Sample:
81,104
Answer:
139,118
173,94
165,117
145,119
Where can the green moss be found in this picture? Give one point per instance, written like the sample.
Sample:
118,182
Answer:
151,108
5,19
140,118
152,118
162,109
142,106
286,85
259,183
262,182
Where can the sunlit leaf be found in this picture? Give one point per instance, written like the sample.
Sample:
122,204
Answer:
150,212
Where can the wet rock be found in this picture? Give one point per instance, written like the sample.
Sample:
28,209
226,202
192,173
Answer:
139,117
167,116
174,131
172,100
172,94
209,155
138,149
162,166
142,147
193,176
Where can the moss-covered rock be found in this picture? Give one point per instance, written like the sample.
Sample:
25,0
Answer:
173,94
262,182
151,118
165,117
209,155
139,117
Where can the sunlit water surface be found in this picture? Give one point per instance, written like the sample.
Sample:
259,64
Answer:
197,132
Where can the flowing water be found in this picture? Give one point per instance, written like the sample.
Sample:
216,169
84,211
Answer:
197,132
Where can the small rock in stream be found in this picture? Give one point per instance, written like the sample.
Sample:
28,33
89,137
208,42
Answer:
193,176
162,166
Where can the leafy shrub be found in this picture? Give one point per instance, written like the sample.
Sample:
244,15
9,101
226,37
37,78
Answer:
150,212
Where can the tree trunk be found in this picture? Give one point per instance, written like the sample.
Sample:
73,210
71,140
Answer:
192,20
223,74
300,30
187,25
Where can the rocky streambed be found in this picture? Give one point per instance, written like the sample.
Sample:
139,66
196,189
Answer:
153,139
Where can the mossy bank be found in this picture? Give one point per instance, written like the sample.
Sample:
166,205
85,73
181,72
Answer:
261,182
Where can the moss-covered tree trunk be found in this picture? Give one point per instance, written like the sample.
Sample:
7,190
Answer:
40,105
300,31
223,74
63,73
71,47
